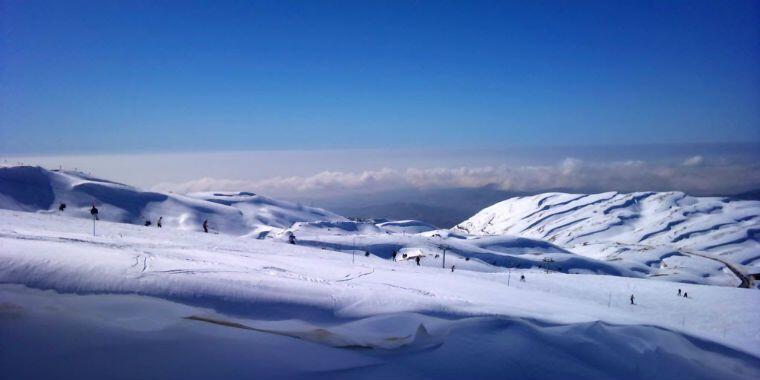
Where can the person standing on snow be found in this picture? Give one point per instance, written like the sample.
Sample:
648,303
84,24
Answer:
61,207
679,292
147,223
205,226
292,238
158,224
417,259
632,299
94,212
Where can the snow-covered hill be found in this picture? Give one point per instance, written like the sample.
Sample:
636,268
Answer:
647,227
35,189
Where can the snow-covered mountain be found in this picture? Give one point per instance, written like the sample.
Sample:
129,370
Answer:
642,226
668,236
35,189
248,215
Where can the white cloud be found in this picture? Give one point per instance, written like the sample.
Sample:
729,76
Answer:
569,174
694,161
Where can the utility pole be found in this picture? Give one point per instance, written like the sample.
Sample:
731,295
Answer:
444,248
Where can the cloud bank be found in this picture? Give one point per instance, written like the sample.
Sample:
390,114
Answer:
695,175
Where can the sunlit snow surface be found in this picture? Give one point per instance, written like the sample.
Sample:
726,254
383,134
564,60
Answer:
663,231
120,300
311,312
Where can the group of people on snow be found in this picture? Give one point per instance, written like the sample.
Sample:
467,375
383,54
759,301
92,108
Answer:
679,293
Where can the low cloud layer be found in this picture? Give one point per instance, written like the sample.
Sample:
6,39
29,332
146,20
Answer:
694,174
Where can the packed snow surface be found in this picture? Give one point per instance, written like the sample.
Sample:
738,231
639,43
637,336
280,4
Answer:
277,294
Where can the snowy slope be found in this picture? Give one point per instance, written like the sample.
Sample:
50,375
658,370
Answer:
301,310
254,216
35,189
646,227
486,254
268,215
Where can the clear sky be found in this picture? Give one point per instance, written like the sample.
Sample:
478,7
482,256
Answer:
132,76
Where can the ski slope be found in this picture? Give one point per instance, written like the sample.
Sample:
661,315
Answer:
253,216
310,311
35,189
671,232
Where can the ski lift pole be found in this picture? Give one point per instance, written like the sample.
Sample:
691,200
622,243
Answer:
509,275
444,256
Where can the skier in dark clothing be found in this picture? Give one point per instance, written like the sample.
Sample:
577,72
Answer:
685,295
417,259
679,292
158,224
61,207
94,212
452,268
632,299
292,238
522,278
147,223
394,255
205,226
366,254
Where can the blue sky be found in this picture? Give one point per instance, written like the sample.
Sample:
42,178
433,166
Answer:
134,76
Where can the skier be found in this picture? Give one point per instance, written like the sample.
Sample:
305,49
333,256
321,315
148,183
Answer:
366,253
522,278
632,298
685,295
147,223
205,226
452,268
417,260
679,292
158,224
292,238
94,212
61,207
394,255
